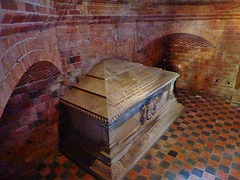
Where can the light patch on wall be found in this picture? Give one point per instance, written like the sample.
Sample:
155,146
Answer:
238,80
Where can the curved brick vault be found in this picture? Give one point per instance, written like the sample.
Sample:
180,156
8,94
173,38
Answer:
177,28
18,59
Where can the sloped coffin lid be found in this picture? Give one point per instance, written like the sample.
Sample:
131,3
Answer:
115,86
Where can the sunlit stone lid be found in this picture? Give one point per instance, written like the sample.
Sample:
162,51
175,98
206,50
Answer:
114,87
112,67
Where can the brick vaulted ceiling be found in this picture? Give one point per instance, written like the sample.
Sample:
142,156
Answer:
22,16
186,40
39,71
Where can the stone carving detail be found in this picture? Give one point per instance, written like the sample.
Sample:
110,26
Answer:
148,110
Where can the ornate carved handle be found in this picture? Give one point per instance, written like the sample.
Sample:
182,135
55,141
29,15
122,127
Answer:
148,110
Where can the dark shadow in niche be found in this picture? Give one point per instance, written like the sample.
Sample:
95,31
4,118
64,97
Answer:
28,125
189,55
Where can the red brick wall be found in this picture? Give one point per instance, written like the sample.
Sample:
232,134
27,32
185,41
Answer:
126,40
83,46
75,35
21,16
190,56
21,51
29,124
194,59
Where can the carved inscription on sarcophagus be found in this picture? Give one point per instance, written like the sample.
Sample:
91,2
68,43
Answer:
114,114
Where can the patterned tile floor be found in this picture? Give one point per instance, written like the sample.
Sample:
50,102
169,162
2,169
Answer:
203,143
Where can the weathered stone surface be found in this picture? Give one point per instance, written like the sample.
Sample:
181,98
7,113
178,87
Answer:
235,101
116,121
115,86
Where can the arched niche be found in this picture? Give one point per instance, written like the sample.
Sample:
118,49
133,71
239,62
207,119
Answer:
13,74
193,57
28,125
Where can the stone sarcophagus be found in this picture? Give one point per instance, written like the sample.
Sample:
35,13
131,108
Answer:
115,114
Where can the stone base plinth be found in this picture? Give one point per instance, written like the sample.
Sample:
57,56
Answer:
161,122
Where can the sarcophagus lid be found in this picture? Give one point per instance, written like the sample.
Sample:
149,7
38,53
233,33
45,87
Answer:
114,87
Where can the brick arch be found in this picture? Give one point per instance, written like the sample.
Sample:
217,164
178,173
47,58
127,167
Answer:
11,80
176,28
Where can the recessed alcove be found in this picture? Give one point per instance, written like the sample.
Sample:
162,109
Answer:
194,58
189,55
28,125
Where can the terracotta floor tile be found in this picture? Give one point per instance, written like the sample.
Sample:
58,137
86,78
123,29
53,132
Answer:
45,171
132,174
62,159
73,178
168,158
217,152
87,177
205,138
236,159
182,139
143,162
198,145
59,170
49,160
160,170
209,144
174,169
187,167
213,164
152,151
188,147
221,175
205,154
73,169
146,172
234,172
156,160
181,157
175,148
229,151
225,162
193,155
